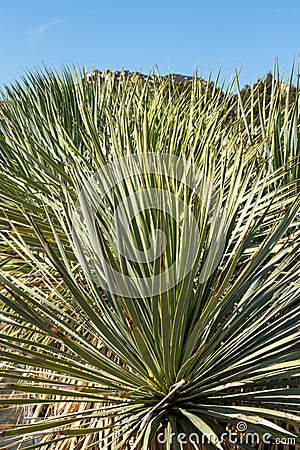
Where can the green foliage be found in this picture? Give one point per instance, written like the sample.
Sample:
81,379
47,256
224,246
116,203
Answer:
220,346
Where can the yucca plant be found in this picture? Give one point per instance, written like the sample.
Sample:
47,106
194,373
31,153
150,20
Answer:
150,263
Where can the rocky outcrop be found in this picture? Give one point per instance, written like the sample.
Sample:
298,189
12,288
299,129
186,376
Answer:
123,75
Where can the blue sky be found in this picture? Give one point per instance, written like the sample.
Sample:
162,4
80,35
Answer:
175,35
